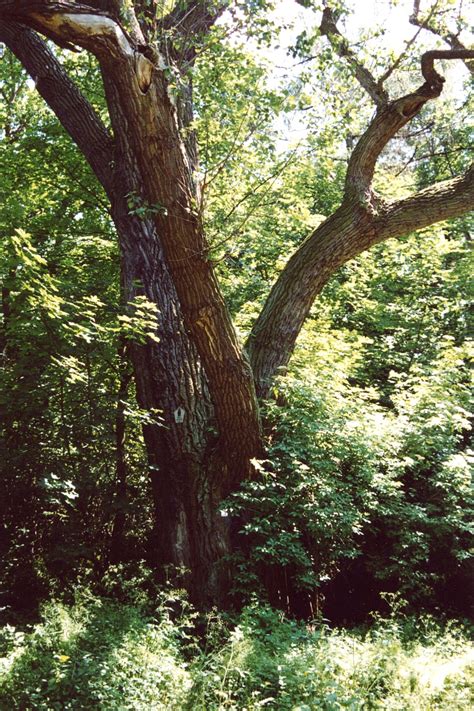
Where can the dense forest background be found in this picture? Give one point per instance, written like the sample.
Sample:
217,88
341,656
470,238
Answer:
365,490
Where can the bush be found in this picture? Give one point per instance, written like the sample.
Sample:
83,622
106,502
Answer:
272,663
381,495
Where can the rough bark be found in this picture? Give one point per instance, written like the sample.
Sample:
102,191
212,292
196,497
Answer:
168,376
155,145
197,364
191,470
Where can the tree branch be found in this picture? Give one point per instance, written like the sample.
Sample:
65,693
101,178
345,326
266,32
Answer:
347,233
69,23
341,46
441,201
130,16
64,98
361,221
194,16
453,40
191,21
389,120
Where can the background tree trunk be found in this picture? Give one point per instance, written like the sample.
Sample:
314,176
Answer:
117,538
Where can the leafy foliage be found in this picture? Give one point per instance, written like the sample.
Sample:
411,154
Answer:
372,481
366,485
62,323
104,655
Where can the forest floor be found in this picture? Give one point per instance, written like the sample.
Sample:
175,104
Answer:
102,654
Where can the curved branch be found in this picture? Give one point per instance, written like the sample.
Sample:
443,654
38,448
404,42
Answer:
344,235
361,221
427,61
64,98
389,120
453,40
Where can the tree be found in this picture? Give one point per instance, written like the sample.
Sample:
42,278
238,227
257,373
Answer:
195,372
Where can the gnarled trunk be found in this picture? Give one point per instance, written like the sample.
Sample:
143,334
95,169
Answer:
197,366
197,369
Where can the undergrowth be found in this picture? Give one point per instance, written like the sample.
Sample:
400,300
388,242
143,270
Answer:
109,655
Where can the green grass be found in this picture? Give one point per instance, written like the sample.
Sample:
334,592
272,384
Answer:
100,654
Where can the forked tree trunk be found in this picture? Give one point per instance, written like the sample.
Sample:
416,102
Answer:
198,366
197,369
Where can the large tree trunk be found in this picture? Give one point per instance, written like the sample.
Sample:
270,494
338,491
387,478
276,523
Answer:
186,462
198,365
150,147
